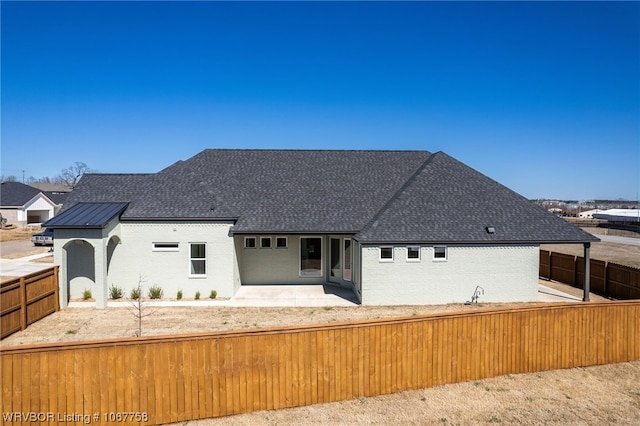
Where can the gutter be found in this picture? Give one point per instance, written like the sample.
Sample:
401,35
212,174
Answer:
482,242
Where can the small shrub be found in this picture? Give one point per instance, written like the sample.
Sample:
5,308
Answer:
135,293
72,331
198,295
179,296
115,292
86,294
213,294
155,292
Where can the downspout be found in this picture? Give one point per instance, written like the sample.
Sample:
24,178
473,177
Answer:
587,272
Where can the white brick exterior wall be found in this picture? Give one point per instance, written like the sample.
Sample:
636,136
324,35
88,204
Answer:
136,257
507,274
124,252
131,255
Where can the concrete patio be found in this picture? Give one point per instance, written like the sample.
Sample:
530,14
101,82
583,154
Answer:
297,296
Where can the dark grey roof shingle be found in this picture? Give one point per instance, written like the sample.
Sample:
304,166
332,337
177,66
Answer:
16,194
449,202
383,196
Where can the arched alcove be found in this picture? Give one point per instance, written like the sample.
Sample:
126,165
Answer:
81,275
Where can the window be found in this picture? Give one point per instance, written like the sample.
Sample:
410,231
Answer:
440,253
265,242
281,242
310,256
413,254
197,259
249,242
165,246
346,271
335,257
386,254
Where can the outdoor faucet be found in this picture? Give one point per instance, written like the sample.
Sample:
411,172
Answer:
476,294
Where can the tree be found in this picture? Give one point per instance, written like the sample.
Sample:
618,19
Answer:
137,307
71,175
10,178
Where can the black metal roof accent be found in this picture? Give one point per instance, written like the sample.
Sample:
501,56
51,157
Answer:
86,215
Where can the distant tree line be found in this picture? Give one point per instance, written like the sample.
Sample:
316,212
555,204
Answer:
68,177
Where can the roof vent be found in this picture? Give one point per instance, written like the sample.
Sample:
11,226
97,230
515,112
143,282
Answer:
490,230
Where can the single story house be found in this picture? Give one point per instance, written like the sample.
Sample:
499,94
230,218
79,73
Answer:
24,205
396,227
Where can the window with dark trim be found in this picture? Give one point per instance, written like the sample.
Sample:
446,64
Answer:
166,246
386,254
413,254
197,259
265,242
310,256
346,271
440,253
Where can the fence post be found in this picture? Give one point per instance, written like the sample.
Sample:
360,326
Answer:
56,287
23,304
606,279
587,272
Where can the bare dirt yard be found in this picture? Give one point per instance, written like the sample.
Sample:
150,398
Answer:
601,395
608,394
18,234
617,253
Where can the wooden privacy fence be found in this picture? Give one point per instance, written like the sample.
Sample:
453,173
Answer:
607,279
28,299
179,378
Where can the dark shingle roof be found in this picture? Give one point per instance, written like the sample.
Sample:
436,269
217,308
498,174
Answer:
295,191
86,215
449,202
16,194
56,197
382,196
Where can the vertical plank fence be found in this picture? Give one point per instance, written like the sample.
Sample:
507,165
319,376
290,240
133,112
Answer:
28,299
607,279
164,379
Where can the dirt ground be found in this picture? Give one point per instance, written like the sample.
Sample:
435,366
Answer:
621,254
618,253
18,234
608,394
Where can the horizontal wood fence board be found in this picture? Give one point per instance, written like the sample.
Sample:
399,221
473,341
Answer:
186,377
28,299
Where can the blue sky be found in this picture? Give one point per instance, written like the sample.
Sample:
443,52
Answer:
543,97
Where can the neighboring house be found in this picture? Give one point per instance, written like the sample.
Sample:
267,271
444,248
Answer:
588,214
24,205
397,227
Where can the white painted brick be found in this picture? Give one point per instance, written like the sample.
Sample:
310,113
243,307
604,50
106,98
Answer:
507,274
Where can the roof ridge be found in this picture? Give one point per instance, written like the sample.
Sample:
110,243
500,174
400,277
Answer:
118,174
310,150
395,196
